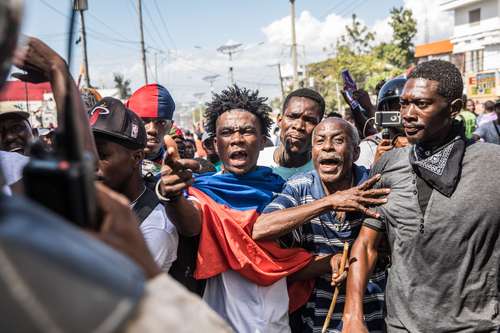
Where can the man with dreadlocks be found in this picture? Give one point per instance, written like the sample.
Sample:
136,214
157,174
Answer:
246,279
445,252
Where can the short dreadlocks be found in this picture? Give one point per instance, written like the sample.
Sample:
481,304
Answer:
450,83
235,97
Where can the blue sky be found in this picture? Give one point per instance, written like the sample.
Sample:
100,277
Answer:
195,30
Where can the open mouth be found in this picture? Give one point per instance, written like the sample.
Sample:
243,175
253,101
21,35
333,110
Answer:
238,155
238,158
330,164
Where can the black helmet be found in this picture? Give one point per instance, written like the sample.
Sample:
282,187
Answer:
391,90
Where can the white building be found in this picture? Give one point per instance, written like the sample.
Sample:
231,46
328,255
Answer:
476,33
476,45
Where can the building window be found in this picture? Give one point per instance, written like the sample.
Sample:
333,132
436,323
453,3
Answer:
475,16
474,61
458,60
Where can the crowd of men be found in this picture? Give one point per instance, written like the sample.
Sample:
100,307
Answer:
218,229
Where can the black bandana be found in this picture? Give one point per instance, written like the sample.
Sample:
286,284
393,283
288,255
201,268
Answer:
441,167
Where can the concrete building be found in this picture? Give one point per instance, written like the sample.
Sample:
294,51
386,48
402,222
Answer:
476,44
441,50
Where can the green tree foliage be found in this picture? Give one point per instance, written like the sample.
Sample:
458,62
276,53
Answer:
367,64
122,85
358,38
401,51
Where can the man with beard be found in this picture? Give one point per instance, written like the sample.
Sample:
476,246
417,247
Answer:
319,211
246,280
120,138
155,106
303,109
444,272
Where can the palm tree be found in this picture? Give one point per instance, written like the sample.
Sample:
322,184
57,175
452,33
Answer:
122,85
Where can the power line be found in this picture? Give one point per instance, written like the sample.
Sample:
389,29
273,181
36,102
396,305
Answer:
53,8
148,13
145,27
331,9
112,41
97,34
107,26
351,7
164,24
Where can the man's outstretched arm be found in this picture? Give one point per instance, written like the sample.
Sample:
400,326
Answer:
42,64
362,261
280,222
176,177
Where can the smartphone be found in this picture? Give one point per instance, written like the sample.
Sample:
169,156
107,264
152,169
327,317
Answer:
349,88
386,119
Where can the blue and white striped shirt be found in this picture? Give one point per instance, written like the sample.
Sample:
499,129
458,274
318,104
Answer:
325,235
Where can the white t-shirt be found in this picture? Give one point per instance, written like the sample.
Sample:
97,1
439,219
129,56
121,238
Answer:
246,306
367,150
266,158
12,165
161,237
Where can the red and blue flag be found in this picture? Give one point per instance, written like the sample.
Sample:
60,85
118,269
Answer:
230,206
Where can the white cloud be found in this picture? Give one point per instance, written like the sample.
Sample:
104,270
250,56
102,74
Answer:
439,24
312,33
182,72
383,31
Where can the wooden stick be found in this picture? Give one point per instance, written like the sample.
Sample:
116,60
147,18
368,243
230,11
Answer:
337,290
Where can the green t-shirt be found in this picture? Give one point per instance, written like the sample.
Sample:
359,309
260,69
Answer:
469,120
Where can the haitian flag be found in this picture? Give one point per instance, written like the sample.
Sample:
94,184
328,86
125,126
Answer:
230,205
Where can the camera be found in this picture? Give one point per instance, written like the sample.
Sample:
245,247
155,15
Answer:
387,119
65,187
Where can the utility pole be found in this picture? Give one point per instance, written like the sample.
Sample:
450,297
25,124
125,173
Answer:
81,6
294,48
143,49
281,80
229,50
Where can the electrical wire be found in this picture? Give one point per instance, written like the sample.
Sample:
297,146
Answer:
148,13
331,9
350,8
164,24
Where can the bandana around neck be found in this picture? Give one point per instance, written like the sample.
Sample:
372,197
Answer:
441,167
